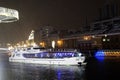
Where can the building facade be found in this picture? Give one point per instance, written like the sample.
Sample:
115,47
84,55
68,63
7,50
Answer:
102,34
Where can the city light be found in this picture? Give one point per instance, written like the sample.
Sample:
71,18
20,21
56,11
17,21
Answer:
60,43
87,37
99,53
53,44
42,44
24,45
107,53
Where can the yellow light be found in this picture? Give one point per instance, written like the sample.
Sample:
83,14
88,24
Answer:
60,43
33,44
10,48
25,45
86,37
42,44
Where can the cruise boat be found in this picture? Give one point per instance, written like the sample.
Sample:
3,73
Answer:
44,56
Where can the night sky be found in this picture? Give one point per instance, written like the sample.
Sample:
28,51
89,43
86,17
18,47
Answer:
58,13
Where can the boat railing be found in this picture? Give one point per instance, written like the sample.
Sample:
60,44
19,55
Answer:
62,50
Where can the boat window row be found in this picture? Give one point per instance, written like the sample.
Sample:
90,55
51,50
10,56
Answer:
52,55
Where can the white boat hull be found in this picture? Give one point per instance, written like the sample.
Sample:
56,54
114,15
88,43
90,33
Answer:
37,56
59,61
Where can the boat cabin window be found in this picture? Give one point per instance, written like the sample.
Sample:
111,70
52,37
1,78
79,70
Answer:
18,55
53,55
28,48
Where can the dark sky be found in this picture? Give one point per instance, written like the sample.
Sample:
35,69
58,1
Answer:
57,13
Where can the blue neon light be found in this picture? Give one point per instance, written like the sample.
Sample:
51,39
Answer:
51,55
99,53
59,74
100,58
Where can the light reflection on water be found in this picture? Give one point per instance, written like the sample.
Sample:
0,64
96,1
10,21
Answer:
44,72
22,71
105,68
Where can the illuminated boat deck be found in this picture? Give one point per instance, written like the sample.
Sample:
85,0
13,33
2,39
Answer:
52,54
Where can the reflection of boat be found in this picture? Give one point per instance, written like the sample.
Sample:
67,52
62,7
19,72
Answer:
43,56
46,72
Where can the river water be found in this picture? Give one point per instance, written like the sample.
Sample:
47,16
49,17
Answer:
95,69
